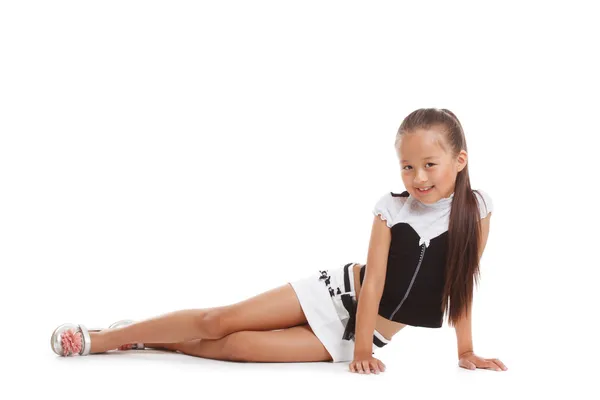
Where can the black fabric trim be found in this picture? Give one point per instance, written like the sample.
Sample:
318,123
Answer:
347,277
378,342
350,304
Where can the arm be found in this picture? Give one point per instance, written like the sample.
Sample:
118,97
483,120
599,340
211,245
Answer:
466,357
464,338
372,288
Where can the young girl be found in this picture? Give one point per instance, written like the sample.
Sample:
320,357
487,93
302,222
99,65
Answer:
422,263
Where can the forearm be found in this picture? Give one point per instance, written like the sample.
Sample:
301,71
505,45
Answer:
366,316
464,337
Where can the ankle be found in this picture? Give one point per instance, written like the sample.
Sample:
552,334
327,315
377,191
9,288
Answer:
100,343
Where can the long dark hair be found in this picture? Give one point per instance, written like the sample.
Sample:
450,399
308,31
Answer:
462,256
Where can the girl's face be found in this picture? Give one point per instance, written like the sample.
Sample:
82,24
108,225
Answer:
425,163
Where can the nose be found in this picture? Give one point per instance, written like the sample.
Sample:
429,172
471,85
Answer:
420,177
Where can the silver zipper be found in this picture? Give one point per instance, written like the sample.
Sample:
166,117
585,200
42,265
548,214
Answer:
411,282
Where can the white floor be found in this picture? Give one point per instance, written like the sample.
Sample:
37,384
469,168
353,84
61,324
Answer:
157,156
419,362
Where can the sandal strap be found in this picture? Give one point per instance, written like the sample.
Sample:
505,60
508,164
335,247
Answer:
87,342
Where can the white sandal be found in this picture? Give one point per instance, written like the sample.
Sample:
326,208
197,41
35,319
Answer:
69,340
133,346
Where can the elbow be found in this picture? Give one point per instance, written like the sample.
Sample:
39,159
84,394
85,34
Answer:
372,290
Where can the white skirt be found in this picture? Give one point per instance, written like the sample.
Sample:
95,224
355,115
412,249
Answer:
320,299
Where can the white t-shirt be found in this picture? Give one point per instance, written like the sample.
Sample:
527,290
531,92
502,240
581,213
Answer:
428,220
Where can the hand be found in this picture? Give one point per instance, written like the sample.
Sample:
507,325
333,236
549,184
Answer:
366,365
469,360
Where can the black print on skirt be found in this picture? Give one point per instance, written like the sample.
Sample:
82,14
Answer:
349,303
327,279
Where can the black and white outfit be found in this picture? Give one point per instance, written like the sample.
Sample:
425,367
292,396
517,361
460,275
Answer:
414,281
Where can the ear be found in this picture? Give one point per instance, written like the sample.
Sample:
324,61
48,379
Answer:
461,160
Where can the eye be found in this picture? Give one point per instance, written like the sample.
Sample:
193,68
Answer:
425,164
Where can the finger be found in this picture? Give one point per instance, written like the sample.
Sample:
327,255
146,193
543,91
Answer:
357,367
381,366
494,366
366,367
467,364
374,367
351,366
500,364
486,364
497,367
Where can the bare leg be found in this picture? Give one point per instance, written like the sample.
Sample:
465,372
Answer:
174,327
210,348
168,346
274,309
296,344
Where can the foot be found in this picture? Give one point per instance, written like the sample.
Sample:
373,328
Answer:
69,340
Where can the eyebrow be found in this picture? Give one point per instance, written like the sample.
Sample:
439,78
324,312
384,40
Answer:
426,158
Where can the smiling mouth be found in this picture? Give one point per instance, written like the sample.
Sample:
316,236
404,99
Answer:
425,191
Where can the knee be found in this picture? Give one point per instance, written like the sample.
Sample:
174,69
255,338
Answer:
237,347
213,324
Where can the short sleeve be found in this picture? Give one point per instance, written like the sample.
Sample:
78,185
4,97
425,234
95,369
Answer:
387,208
485,203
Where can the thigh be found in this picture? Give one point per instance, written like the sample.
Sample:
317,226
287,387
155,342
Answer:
277,308
296,344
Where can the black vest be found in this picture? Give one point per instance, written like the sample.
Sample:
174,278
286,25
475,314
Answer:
414,281
415,275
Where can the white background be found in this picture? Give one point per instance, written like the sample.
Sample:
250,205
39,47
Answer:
157,156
